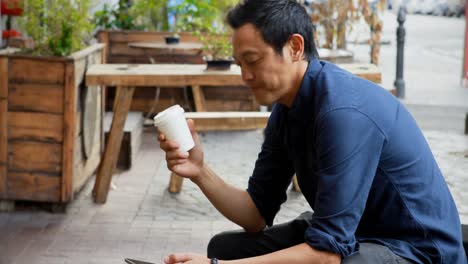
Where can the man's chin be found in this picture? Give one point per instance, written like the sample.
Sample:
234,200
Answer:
264,101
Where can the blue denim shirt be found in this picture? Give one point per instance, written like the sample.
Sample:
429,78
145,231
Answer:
364,167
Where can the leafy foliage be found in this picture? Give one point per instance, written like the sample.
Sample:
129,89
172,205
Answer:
206,20
57,27
117,16
150,14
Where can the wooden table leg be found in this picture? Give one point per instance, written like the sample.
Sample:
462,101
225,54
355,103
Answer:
199,98
108,164
175,185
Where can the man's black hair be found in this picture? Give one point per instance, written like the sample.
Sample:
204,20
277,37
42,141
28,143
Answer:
276,20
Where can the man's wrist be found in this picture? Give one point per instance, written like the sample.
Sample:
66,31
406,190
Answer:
197,179
214,261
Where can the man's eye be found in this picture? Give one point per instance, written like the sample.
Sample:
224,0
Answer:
252,62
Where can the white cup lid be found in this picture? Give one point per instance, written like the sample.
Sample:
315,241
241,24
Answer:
167,114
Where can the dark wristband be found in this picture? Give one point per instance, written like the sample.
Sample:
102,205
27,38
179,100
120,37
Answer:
214,261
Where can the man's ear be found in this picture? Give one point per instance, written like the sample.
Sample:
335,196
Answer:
296,44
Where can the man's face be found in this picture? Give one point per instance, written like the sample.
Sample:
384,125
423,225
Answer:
268,74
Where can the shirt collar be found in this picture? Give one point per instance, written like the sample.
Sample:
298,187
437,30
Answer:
303,103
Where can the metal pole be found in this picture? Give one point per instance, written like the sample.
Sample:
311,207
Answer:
401,32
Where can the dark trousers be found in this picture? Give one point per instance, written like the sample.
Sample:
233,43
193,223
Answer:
239,244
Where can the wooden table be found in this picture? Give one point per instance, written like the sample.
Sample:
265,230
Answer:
128,77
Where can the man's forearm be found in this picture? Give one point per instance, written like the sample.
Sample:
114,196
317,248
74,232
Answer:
234,203
300,254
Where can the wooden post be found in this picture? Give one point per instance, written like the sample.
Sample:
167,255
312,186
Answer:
199,98
175,185
3,125
103,179
69,106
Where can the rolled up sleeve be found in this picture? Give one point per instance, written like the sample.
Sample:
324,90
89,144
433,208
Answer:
348,145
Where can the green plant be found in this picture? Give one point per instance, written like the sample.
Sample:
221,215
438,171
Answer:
118,16
216,44
195,15
206,20
150,14
57,27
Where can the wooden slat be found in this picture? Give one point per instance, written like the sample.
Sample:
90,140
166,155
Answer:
205,121
36,97
156,49
241,93
3,124
36,71
70,104
34,157
103,37
199,98
364,70
33,186
95,48
108,164
84,169
35,126
185,59
123,49
229,105
146,36
80,68
169,75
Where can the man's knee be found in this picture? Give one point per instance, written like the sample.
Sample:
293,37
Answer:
220,246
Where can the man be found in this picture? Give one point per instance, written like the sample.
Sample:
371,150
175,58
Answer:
362,163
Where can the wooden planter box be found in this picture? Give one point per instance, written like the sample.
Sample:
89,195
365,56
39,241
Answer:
50,125
217,98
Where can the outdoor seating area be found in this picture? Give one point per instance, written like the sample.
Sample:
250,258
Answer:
83,178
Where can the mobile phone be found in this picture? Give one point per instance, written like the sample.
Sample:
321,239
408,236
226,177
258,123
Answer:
134,261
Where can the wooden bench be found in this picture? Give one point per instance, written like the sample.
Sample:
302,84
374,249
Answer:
131,141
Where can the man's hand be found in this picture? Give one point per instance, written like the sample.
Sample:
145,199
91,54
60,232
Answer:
184,164
186,258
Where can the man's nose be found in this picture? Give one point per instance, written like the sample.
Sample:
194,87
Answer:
246,75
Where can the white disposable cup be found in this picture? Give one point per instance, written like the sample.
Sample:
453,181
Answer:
173,124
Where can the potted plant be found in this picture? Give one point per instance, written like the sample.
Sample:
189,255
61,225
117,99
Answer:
206,20
174,37
48,149
217,49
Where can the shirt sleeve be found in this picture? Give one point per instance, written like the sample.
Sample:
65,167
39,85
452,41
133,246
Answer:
272,174
349,145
